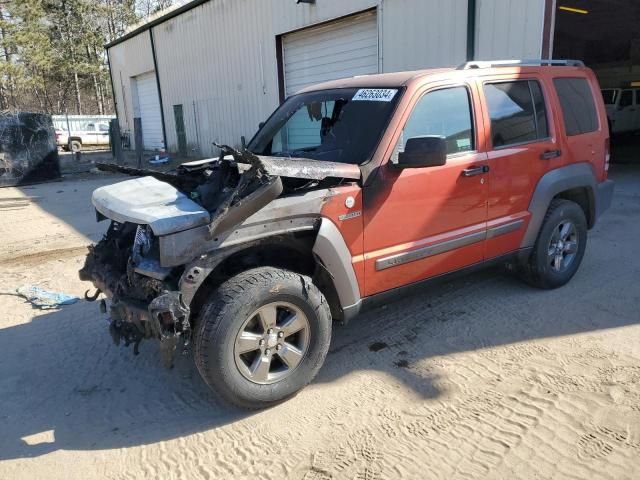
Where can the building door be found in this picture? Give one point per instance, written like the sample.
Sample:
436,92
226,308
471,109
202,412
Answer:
338,49
180,131
423,222
148,104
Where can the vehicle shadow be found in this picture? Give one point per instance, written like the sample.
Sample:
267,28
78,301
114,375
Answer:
61,373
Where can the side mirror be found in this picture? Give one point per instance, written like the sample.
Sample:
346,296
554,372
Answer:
260,125
423,151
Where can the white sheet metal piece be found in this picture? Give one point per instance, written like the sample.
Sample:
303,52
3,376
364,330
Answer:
148,201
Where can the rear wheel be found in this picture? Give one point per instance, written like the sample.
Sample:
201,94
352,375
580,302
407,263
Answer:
75,145
262,337
560,246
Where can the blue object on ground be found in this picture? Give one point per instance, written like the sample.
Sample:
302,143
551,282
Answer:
44,299
157,159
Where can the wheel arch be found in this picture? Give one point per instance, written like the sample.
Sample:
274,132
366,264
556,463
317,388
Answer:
321,254
576,182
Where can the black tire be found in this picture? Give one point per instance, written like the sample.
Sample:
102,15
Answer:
540,270
224,316
75,146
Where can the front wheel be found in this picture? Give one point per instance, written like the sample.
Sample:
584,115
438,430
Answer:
262,337
560,246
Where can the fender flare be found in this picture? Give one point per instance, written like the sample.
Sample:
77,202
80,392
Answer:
331,249
578,175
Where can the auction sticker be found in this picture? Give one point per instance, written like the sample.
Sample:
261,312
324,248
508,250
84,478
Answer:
375,94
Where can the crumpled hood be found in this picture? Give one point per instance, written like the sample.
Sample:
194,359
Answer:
225,199
149,201
309,169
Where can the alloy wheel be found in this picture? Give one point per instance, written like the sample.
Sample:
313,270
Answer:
272,342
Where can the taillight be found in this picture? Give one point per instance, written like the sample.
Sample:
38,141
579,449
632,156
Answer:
607,157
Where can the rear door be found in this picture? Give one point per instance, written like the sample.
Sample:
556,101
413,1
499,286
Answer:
522,147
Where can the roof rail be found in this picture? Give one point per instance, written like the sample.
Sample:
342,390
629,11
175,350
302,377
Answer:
519,63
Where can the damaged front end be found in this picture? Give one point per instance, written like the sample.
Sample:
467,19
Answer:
211,197
144,297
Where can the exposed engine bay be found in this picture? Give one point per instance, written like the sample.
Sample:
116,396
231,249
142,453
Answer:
210,197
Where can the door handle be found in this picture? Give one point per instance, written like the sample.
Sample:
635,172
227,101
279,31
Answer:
549,154
470,172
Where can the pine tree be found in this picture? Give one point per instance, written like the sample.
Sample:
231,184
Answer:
52,56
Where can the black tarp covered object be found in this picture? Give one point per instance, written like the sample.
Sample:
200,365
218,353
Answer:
28,150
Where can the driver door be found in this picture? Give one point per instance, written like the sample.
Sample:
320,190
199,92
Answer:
423,222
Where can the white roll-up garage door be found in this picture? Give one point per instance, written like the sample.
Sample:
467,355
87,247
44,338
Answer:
149,111
339,49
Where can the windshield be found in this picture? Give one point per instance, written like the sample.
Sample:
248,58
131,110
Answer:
341,125
609,96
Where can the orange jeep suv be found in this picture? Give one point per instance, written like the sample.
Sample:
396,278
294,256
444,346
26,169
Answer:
352,191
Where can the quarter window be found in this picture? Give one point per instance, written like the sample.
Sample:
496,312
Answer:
578,107
517,112
446,113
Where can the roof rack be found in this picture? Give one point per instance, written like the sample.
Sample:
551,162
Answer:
519,63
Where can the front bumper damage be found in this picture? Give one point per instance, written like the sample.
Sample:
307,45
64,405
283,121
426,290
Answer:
140,307
161,222
144,296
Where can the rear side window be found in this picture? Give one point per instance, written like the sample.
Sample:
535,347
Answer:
578,108
517,112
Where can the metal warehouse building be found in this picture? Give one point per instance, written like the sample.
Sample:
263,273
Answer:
211,70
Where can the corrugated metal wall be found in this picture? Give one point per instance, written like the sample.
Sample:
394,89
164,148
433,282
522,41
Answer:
508,29
129,59
218,60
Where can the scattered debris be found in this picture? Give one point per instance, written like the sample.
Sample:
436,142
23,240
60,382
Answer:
41,298
157,159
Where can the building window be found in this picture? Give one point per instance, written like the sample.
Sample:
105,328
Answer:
578,108
517,112
445,112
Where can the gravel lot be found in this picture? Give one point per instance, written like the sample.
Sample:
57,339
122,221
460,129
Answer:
481,378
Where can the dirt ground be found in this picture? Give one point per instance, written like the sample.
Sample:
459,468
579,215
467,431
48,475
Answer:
480,378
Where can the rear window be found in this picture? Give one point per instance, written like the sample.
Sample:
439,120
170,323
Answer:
578,108
517,112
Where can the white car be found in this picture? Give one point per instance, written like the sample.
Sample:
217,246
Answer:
623,109
92,133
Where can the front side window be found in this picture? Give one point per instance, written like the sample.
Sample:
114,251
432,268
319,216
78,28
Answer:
103,127
340,125
578,108
445,113
609,96
517,112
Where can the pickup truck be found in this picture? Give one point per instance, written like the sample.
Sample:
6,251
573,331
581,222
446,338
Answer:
92,133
